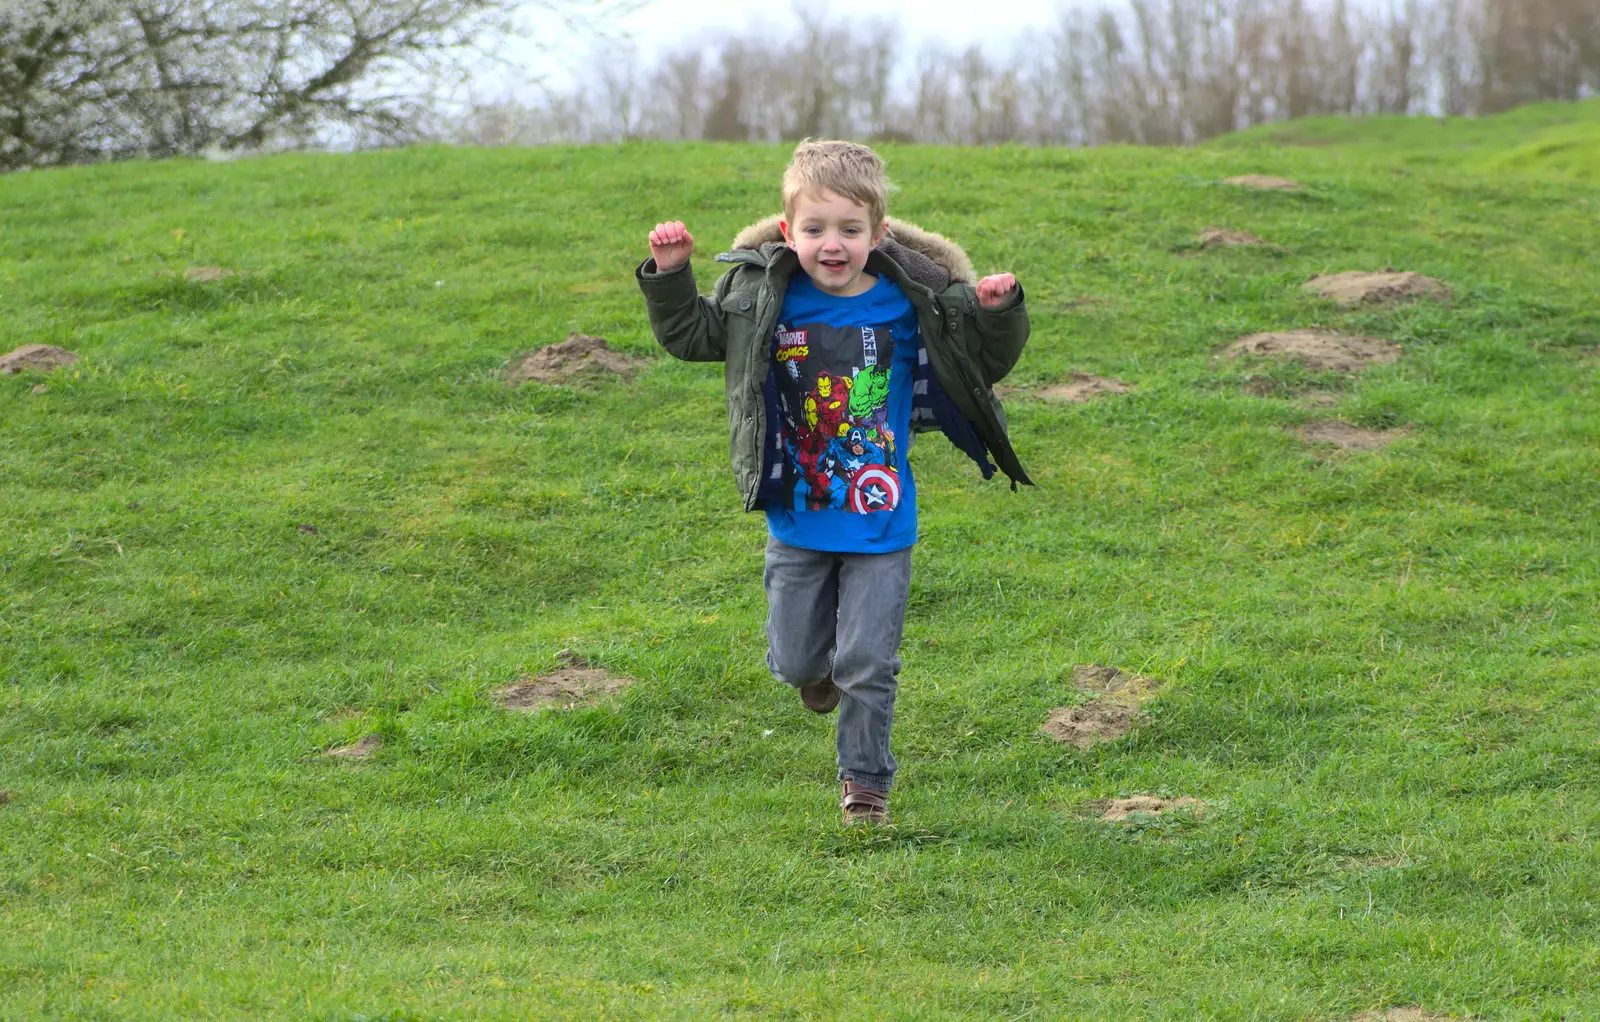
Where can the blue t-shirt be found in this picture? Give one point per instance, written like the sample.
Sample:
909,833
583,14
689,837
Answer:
843,369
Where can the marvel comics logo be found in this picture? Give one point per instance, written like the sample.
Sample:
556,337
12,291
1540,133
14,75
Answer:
792,345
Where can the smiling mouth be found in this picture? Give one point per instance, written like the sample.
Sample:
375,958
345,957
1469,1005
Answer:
834,264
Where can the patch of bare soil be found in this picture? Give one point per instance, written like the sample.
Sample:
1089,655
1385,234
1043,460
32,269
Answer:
1122,686
358,750
35,358
1089,724
1399,1015
1266,386
1384,861
6,796
1347,437
564,689
1118,696
1318,349
576,358
1078,388
200,274
1221,237
1119,809
1355,288
1317,399
1263,183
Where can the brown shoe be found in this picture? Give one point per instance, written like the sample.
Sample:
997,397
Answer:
862,804
820,697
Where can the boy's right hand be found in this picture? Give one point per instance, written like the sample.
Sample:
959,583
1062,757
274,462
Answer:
670,244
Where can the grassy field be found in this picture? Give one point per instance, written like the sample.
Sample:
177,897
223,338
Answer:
268,515
1553,141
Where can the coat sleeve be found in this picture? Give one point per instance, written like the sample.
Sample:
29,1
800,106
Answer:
689,326
1000,334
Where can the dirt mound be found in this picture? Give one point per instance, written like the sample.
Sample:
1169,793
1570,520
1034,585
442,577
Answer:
359,750
41,358
1318,349
565,688
1089,724
1350,438
1118,696
1221,237
1262,183
578,357
1081,387
1119,809
1399,1015
1354,289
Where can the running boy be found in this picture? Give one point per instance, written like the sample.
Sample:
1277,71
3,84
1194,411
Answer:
843,331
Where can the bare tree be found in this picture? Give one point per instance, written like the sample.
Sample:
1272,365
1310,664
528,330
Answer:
727,121
681,84
84,80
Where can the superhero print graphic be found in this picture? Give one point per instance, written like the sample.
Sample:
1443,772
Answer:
833,404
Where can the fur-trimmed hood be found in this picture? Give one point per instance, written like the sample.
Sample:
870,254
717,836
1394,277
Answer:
930,259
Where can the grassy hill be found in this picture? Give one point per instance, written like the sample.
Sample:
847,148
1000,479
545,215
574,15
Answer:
276,512
1559,141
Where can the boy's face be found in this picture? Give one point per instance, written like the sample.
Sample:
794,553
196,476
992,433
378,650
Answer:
832,236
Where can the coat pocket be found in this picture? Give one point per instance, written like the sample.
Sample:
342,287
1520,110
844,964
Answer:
740,303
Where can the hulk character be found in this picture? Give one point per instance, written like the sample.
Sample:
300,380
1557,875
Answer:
869,403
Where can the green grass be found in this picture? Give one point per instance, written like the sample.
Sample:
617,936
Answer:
1559,141
1379,668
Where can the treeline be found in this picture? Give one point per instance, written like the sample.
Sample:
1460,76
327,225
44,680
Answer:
1146,71
88,80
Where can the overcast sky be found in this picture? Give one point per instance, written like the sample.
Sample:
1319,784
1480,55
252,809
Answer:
667,24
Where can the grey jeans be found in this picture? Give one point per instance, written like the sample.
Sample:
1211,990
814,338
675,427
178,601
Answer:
842,615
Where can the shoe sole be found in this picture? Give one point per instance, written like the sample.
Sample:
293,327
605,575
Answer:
827,707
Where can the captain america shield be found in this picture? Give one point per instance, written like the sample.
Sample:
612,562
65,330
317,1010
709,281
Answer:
874,488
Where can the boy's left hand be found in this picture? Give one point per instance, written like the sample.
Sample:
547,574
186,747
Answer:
995,289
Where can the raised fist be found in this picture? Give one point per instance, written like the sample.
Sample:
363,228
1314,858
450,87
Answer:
993,290
670,244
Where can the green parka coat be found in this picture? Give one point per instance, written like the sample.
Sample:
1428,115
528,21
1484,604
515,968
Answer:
969,348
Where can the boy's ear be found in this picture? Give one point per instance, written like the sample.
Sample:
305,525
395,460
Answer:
877,235
783,225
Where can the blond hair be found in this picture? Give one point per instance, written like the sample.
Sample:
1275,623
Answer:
844,168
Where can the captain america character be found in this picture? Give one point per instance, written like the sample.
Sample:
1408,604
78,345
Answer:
854,451
874,483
